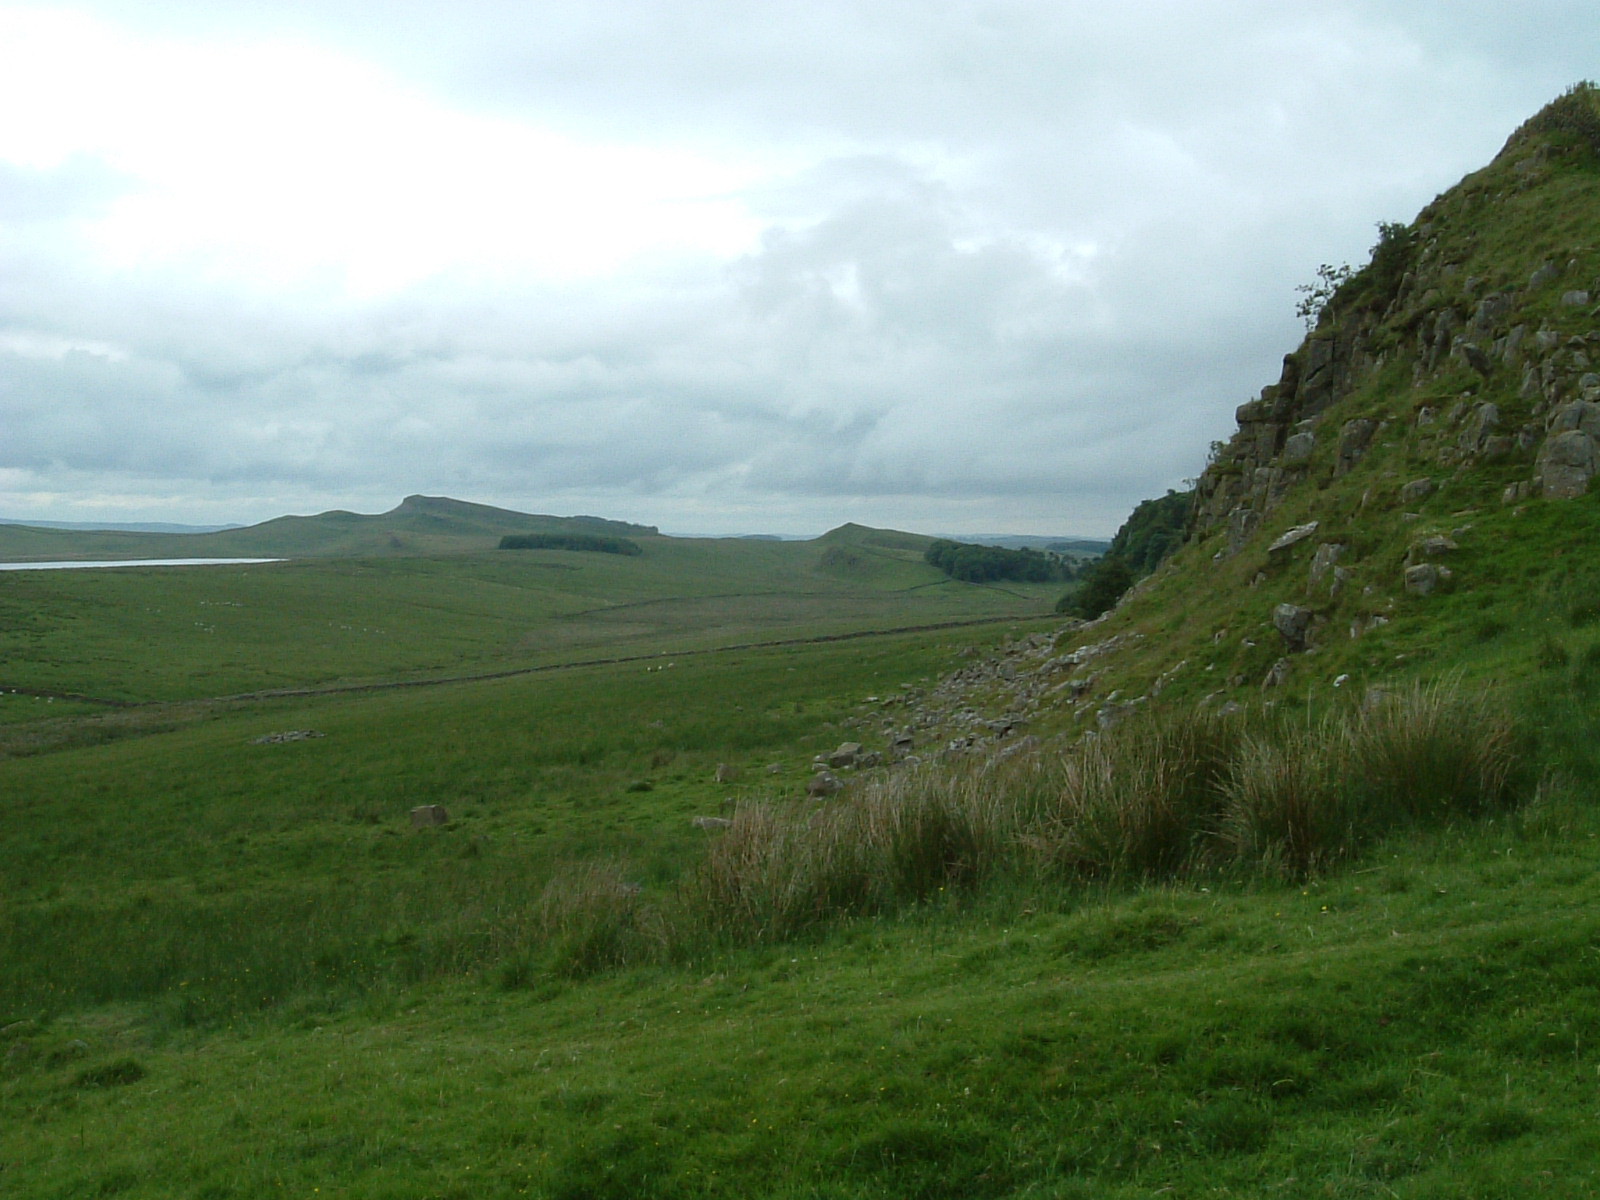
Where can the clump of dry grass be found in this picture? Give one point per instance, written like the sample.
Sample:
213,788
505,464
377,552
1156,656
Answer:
590,917
1143,801
1306,798
1433,751
1288,803
779,869
1151,800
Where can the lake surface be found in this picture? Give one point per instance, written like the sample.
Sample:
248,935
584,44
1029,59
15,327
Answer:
135,562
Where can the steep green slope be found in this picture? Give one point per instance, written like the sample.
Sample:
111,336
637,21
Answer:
1412,496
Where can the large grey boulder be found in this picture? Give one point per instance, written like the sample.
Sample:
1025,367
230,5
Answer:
1423,579
1580,414
1354,438
1431,547
1566,463
1293,624
1297,449
1322,562
1292,537
1480,424
1417,490
822,785
1242,522
1472,354
845,755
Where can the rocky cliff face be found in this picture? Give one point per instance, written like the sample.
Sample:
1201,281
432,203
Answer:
1486,320
1416,492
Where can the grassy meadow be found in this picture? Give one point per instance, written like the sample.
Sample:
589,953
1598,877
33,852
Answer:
137,634
234,969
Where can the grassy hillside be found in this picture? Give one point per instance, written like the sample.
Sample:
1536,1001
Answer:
234,968
170,633
427,525
1412,431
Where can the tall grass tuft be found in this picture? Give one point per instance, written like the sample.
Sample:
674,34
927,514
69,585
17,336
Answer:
779,870
1150,800
1290,806
590,918
1431,752
1142,802
1303,798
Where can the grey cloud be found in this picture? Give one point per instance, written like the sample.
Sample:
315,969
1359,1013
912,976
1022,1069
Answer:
1031,257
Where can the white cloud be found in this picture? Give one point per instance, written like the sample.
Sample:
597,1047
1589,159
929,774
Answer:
288,165
718,266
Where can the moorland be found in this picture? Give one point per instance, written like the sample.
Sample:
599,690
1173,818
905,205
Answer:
1276,879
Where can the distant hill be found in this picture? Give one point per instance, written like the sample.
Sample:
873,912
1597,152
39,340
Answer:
122,526
418,525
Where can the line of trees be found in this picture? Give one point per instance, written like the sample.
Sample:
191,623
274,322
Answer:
1152,531
570,541
986,564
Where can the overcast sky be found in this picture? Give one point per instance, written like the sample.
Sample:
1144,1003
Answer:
721,266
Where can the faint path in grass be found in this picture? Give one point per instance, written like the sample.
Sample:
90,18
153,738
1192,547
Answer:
77,697
441,680
653,656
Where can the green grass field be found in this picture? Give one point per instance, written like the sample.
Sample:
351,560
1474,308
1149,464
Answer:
234,969
173,633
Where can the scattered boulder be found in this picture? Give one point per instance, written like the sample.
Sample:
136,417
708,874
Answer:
1242,522
1436,546
1474,357
726,773
1576,298
1292,537
1484,420
845,755
823,784
1354,438
1277,674
1548,273
1417,490
1341,580
1582,415
1423,579
711,822
1297,449
1293,623
426,816
1113,713
1323,560
288,735
1566,463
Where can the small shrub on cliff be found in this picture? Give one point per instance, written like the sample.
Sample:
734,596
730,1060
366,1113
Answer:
1101,586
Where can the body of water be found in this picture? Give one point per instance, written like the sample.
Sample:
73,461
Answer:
134,562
